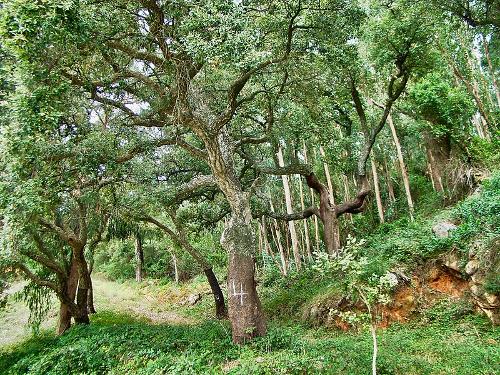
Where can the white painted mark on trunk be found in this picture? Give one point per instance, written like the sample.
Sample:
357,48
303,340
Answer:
240,294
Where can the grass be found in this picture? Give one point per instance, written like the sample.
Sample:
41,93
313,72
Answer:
121,344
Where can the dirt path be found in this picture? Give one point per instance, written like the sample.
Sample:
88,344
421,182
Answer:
160,306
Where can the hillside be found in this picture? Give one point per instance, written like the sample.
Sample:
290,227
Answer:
432,324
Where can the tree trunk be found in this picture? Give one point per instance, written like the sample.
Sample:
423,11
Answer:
64,321
174,263
332,224
402,166
220,305
378,199
139,258
81,314
245,311
289,210
238,239
388,181
438,153
306,226
90,297
283,258
491,70
316,226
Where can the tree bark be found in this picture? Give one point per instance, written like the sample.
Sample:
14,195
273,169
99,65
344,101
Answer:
438,153
402,166
378,198
304,221
289,210
330,222
220,305
69,288
283,258
139,258
81,314
491,70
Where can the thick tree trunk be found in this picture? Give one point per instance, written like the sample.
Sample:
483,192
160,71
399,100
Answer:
139,258
245,311
220,305
64,321
81,314
330,225
289,210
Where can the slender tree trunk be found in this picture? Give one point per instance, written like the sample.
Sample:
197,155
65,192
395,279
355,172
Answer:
289,210
402,166
311,191
306,226
283,258
174,263
438,154
64,310
90,297
139,258
378,198
388,180
220,305
491,70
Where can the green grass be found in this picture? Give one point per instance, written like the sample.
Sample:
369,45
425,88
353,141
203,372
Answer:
120,344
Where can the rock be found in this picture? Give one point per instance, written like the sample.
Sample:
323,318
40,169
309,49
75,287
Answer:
451,261
193,299
472,267
443,229
476,290
492,299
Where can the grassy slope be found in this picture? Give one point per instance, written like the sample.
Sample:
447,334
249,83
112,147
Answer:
147,329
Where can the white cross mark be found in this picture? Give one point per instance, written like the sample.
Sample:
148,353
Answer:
240,294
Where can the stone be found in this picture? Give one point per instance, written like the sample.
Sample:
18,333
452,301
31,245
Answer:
471,267
193,299
452,262
492,299
443,229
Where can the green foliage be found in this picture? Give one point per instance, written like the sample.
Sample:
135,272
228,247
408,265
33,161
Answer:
116,344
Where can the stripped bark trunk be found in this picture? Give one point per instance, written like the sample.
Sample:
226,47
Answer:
305,224
289,210
378,198
438,153
402,166
388,181
316,226
491,70
174,263
283,258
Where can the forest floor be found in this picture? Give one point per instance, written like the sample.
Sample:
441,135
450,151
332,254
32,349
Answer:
149,328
